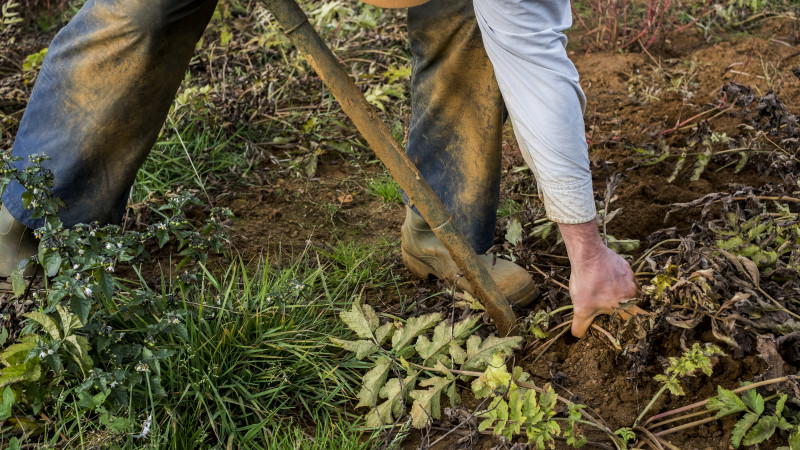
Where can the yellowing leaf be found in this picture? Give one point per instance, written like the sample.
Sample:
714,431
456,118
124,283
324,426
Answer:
361,319
80,352
495,378
362,347
48,324
414,327
69,321
427,403
17,353
480,353
514,231
372,382
384,332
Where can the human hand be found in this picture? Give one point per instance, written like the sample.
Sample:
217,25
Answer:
600,279
597,286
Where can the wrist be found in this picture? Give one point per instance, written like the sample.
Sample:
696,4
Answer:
582,240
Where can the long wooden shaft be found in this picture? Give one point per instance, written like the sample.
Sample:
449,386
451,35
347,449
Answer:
296,25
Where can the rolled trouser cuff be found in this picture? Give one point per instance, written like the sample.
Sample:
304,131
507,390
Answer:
568,203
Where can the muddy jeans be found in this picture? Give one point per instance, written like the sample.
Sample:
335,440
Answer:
111,74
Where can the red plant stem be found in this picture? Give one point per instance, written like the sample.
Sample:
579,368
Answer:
685,426
580,19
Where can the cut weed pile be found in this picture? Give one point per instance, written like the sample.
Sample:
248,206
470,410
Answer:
294,324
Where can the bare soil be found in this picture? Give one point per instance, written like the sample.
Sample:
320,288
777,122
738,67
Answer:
280,214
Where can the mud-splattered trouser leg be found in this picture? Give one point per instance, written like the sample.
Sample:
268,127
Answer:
456,115
101,98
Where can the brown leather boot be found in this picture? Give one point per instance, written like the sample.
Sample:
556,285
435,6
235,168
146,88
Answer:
425,255
16,243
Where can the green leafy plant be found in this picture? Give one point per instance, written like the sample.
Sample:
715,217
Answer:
754,426
9,18
422,361
696,358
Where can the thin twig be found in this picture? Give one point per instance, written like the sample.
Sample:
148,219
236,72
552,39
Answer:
557,283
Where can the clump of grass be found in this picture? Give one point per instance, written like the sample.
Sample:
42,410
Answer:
385,187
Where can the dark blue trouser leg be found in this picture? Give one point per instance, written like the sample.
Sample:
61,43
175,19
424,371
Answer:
101,98
456,115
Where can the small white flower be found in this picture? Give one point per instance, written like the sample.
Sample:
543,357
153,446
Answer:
91,233
81,251
49,351
119,244
42,354
88,292
109,246
114,384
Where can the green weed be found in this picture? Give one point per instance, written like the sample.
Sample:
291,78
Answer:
385,187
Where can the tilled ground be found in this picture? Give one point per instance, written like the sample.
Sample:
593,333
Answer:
678,97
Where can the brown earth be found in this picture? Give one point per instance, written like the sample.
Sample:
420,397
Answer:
285,214
290,214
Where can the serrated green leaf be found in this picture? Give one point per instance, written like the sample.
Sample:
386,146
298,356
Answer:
530,406
414,327
443,336
515,416
794,440
427,403
548,397
761,431
480,353
361,319
80,352
18,283
741,428
726,402
754,401
674,387
779,405
453,396
69,321
362,348
48,324
372,383
115,424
